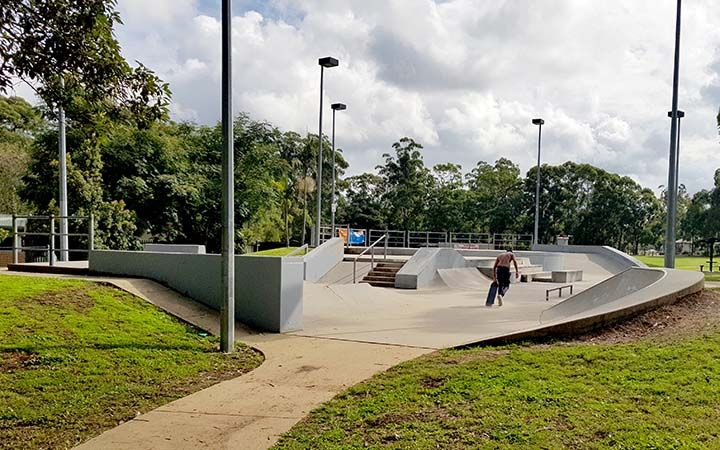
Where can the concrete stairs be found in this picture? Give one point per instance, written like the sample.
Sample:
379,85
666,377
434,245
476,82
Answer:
383,275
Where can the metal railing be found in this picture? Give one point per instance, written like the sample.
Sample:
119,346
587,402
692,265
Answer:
371,249
418,239
50,249
298,250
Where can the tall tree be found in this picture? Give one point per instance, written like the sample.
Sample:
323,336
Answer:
407,183
494,203
448,199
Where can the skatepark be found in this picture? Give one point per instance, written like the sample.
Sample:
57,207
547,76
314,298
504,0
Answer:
430,297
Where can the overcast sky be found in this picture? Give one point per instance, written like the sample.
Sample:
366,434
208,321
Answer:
462,77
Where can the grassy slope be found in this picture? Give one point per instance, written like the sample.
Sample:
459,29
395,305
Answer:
282,251
77,358
631,395
684,263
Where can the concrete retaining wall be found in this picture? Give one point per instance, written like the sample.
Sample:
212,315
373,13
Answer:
268,290
421,269
322,259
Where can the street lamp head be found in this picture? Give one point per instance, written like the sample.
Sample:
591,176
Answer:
328,61
680,114
538,122
338,106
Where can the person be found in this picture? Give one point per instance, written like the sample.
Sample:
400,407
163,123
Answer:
501,273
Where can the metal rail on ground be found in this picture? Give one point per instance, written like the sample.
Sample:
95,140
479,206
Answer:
298,250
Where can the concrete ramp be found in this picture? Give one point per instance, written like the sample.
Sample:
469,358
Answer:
619,287
468,278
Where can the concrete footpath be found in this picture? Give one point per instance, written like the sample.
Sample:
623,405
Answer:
251,411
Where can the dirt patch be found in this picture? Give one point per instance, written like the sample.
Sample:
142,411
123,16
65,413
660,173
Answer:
692,315
77,299
13,361
433,382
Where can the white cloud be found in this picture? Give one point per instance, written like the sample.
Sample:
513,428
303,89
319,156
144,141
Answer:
462,77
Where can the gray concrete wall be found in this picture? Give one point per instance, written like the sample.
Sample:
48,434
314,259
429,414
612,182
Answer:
322,259
174,248
615,260
268,290
421,269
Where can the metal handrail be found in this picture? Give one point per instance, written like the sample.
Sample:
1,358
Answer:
298,250
51,234
371,249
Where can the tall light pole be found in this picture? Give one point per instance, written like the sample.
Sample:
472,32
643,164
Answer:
333,204
672,167
227,311
62,160
680,115
539,123
326,62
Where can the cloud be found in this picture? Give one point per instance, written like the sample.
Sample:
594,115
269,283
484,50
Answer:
462,77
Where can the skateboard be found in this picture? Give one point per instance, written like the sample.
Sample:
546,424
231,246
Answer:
492,293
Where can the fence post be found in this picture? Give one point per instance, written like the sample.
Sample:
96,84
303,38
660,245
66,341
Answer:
386,245
91,233
51,246
15,251
407,239
427,239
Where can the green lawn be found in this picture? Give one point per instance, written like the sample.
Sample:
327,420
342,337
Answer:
684,263
641,395
282,251
77,358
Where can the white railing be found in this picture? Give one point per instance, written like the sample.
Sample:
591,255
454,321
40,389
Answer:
51,234
371,249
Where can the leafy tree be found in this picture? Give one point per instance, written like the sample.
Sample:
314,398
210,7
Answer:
494,203
406,183
19,122
66,50
363,207
448,199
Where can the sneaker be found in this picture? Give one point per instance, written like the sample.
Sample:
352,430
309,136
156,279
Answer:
499,300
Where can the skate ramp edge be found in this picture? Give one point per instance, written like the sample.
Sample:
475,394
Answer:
627,294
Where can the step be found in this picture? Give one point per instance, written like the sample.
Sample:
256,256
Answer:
385,284
397,265
371,277
386,269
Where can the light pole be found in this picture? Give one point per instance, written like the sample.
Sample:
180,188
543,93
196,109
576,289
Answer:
672,168
326,62
62,160
539,123
680,115
333,205
227,311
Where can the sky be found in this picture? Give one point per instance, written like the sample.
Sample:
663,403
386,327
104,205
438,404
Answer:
462,77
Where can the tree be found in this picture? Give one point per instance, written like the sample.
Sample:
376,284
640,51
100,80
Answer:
495,196
362,206
66,50
19,122
406,185
448,199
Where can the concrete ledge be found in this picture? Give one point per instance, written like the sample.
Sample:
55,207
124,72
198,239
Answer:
175,248
268,290
322,259
566,276
421,269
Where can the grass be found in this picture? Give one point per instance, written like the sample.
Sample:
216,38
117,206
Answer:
683,263
641,395
282,251
77,358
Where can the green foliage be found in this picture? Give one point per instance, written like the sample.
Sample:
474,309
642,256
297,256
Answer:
363,207
495,197
641,395
78,358
406,184
67,49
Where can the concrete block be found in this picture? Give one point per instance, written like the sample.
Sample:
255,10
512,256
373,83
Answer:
566,276
322,259
421,269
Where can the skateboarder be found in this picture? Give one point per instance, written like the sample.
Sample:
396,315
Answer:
501,276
